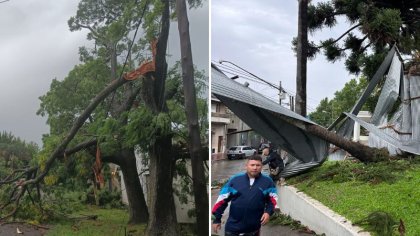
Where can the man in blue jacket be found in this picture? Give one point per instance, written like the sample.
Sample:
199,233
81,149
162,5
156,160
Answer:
253,198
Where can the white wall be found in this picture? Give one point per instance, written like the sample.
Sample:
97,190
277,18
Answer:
181,209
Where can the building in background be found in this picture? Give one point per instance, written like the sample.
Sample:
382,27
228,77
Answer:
228,130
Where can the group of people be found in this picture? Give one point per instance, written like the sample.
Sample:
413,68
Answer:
253,197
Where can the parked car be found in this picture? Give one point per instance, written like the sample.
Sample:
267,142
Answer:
240,152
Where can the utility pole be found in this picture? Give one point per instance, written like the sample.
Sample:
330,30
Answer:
280,93
292,102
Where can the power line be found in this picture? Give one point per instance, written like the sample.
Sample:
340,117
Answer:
243,77
250,76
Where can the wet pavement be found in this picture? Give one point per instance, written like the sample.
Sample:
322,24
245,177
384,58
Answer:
224,169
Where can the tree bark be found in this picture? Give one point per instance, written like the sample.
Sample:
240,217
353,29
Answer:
194,142
137,207
302,51
359,151
162,219
126,159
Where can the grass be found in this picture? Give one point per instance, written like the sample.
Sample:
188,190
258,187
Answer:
355,190
109,222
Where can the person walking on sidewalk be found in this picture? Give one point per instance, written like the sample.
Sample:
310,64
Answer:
275,163
253,198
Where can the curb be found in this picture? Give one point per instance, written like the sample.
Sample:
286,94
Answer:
314,214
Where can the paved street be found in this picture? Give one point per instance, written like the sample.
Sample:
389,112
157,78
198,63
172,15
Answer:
222,170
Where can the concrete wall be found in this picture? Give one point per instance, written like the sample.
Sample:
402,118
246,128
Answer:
218,129
314,215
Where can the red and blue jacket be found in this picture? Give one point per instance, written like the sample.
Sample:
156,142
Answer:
248,203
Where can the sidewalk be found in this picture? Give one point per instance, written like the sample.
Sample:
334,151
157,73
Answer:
218,156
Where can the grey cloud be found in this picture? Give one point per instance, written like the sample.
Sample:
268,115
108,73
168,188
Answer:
257,35
36,46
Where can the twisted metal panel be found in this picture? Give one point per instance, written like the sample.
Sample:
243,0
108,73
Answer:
276,123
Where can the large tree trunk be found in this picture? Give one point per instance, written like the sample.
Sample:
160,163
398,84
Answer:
126,160
302,51
362,152
162,219
137,207
357,150
194,142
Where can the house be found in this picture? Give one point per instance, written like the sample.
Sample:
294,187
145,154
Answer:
228,130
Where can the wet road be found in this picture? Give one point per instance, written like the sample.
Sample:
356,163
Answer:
224,169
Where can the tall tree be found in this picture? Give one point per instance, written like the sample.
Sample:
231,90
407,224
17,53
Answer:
380,24
109,25
301,53
198,173
162,220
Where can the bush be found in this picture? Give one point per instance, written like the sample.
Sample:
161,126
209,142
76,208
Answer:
106,198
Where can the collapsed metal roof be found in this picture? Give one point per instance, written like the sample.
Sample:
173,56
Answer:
397,129
400,133
260,114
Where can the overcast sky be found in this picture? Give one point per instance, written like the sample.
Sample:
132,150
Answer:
257,35
36,46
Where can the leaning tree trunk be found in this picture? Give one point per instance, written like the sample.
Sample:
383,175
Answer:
137,207
357,150
126,160
194,142
301,53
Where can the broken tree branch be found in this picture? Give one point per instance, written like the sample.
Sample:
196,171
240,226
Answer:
76,126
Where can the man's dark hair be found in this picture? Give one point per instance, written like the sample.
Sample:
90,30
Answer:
255,158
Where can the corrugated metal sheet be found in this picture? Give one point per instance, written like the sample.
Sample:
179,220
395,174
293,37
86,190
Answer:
398,133
272,121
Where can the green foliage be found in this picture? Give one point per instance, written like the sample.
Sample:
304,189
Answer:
357,197
381,23
68,98
286,220
111,25
381,223
329,110
14,152
183,190
332,51
56,202
347,171
106,199
142,128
